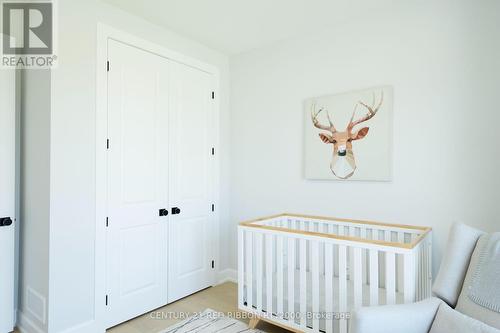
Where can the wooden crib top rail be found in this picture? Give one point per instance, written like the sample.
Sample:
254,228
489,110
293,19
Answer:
259,223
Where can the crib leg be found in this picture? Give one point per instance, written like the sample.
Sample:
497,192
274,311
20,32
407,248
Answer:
254,321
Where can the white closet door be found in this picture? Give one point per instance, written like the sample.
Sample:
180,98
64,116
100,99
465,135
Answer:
191,181
137,181
7,198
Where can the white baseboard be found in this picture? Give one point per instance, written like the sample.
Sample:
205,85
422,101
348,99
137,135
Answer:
26,325
227,275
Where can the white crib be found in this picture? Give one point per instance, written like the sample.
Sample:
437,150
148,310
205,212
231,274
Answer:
306,273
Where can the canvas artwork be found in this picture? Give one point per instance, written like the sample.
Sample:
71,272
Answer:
349,136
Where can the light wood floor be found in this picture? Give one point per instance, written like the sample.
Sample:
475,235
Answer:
221,298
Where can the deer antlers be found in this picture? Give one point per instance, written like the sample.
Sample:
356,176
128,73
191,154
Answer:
372,111
314,117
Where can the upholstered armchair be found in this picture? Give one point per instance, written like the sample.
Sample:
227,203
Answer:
451,310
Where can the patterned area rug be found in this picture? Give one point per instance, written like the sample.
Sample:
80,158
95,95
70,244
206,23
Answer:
210,321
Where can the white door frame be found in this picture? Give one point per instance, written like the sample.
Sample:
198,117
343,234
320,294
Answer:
104,33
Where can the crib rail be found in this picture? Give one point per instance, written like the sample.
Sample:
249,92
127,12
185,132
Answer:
307,273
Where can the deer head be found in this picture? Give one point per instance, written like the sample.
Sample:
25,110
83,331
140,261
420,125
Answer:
343,163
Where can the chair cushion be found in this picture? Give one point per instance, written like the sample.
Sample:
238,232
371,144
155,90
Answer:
465,305
449,281
450,321
400,318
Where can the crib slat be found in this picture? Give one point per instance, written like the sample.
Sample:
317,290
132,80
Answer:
291,275
382,260
401,237
390,277
339,231
409,278
303,276
426,269
428,275
269,274
419,274
315,284
358,278
303,282
311,228
352,233
363,257
329,286
323,229
400,268
241,260
279,271
413,237
249,261
423,270
429,268
258,270
342,286
374,285
303,225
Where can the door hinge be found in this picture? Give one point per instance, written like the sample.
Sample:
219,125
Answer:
213,94
107,143
213,151
213,263
106,300
213,207
107,66
107,221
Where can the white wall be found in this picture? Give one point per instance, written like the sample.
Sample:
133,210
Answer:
72,159
72,206
443,59
33,277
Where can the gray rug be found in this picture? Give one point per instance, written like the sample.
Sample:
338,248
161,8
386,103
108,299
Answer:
210,321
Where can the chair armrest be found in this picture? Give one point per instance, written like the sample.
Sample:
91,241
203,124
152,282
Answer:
407,318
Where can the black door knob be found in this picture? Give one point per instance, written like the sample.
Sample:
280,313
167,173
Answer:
163,212
176,210
5,221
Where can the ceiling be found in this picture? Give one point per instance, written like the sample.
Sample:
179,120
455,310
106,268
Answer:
236,26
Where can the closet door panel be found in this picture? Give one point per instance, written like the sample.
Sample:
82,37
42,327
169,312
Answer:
190,231
7,197
137,181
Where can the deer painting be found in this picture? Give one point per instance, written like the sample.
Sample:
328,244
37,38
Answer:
343,164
